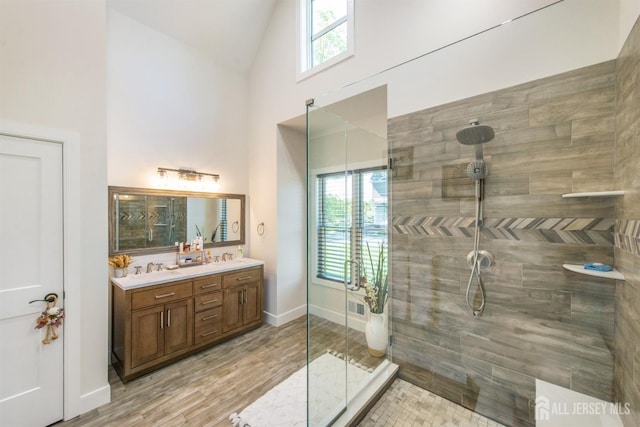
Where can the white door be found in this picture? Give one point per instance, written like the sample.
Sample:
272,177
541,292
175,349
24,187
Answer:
31,255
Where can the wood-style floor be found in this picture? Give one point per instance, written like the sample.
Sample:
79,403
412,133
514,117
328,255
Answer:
204,389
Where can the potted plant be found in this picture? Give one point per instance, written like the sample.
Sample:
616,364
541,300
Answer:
376,295
120,264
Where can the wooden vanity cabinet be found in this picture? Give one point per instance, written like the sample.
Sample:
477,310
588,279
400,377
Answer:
155,325
151,325
161,331
208,308
242,296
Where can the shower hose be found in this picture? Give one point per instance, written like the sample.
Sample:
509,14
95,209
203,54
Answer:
475,269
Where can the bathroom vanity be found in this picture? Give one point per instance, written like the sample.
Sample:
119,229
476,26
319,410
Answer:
160,317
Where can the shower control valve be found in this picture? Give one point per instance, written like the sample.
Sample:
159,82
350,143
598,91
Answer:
484,260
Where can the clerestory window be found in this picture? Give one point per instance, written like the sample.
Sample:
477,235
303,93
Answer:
326,34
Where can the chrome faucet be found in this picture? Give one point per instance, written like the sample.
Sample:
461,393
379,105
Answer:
159,265
149,267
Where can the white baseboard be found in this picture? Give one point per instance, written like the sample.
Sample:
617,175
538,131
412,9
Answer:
282,319
278,320
335,317
94,399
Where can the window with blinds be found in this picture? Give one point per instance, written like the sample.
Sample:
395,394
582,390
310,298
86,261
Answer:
351,212
223,220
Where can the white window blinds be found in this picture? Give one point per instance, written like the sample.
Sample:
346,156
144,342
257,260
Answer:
351,212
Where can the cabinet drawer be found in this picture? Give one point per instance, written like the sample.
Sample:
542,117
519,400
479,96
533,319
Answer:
207,301
161,294
207,284
208,325
241,277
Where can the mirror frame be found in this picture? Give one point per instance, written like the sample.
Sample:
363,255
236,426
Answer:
176,193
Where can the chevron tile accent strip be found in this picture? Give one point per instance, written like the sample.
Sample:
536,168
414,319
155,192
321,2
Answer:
627,235
594,231
132,216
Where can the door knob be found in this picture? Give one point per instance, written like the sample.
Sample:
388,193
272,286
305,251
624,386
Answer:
50,298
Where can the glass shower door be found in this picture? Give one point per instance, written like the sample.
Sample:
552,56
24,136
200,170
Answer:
346,233
327,263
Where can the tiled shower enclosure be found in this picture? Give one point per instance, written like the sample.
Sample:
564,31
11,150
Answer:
553,136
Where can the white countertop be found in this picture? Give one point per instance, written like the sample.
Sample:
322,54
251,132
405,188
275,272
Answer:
133,281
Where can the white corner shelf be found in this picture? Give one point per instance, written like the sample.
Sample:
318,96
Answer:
613,274
595,194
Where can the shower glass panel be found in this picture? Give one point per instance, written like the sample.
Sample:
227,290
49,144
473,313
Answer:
327,247
347,226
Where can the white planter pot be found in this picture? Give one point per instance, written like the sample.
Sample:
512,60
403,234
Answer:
377,334
120,272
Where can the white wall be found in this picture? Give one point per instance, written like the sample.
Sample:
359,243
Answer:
629,11
291,241
171,106
52,74
562,37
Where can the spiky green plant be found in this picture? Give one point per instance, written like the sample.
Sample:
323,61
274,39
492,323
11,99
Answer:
376,288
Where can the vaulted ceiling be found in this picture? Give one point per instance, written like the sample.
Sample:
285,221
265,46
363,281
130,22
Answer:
230,31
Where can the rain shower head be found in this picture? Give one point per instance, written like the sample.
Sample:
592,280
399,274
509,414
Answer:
475,134
477,170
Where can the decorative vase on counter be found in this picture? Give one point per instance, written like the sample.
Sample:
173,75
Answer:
377,333
120,272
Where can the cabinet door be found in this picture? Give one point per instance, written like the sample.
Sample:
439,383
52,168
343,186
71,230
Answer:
252,307
147,335
232,308
178,329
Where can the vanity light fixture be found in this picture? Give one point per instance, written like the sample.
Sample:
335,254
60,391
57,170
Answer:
188,174
188,178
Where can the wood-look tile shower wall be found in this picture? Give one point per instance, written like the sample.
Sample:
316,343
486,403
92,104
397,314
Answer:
553,136
627,247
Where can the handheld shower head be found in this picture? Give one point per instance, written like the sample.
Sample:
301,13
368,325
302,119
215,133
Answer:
477,170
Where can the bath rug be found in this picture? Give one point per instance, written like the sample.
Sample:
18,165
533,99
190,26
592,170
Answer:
285,405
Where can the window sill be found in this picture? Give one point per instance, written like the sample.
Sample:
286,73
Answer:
302,75
334,285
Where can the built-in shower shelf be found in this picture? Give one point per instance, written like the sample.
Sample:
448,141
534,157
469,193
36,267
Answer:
595,194
613,274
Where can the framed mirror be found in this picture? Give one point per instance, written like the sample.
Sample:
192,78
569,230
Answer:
147,221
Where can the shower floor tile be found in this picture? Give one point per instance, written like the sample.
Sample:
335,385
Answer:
407,405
